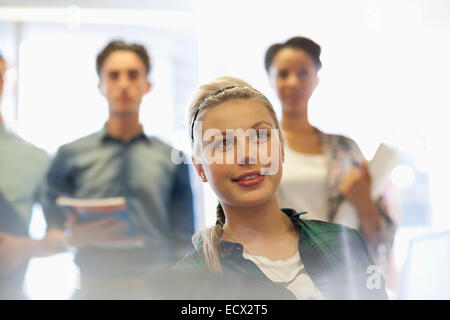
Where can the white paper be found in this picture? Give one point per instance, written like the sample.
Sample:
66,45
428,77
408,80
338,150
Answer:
380,168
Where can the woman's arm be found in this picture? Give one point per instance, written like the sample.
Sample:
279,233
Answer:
356,187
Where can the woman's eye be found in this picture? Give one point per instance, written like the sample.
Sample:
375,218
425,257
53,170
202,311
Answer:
282,74
303,73
223,144
260,136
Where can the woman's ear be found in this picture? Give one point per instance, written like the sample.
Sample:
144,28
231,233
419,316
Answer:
199,169
271,78
316,82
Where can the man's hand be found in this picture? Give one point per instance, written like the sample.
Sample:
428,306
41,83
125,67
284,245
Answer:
106,229
13,251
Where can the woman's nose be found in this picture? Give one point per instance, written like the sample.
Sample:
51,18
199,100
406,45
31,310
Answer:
246,152
293,80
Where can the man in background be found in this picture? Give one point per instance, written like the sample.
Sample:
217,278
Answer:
122,161
22,176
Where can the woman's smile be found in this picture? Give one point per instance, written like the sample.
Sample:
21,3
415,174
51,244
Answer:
249,179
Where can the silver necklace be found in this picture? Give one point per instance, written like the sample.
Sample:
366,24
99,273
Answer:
281,281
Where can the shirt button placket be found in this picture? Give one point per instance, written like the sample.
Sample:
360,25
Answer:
124,174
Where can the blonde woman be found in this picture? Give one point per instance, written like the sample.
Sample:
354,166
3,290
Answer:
238,150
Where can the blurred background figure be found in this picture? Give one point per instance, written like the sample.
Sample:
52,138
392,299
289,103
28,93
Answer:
321,170
122,161
22,171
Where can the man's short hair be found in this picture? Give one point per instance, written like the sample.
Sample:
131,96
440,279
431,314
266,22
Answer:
119,45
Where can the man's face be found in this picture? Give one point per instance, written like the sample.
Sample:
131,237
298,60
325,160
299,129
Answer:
123,81
2,75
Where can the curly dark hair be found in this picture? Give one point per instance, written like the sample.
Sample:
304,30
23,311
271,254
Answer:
305,44
117,45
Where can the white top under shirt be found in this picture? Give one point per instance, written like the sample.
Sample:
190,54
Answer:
304,184
288,270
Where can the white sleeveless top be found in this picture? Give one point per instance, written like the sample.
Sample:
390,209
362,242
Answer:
304,184
291,273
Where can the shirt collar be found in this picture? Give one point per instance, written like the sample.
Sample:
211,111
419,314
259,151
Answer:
105,136
291,213
227,248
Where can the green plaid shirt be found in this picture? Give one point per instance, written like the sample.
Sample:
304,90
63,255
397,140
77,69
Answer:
335,257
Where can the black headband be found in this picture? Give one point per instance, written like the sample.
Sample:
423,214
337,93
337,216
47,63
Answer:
215,93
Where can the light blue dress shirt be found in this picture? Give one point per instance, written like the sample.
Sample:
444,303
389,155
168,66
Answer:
22,173
22,184
158,194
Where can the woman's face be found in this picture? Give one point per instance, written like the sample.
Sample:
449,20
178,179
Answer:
238,136
294,76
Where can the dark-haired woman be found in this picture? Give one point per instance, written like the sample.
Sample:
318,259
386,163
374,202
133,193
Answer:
321,170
